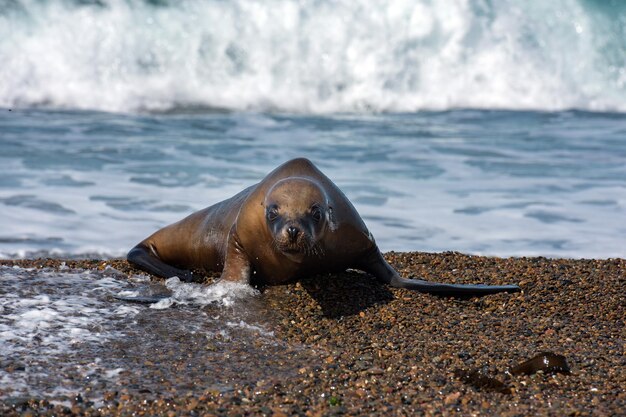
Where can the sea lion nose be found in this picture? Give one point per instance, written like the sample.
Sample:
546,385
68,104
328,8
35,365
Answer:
293,231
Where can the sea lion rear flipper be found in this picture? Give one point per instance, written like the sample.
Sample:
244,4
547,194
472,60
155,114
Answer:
451,290
378,266
145,259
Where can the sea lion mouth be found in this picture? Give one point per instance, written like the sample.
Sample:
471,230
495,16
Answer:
300,252
293,254
292,250
292,246
295,251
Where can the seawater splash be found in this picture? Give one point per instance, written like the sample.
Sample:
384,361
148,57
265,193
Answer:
318,56
56,310
224,294
62,334
47,316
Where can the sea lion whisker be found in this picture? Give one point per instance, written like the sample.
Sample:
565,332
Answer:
317,250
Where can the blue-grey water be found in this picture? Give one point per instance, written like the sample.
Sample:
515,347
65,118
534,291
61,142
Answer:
476,181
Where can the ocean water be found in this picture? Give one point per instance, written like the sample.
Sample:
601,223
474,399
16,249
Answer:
486,127
506,183
493,128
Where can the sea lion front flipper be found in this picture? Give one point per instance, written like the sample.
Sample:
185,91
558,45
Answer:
141,299
147,260
237,267
376,265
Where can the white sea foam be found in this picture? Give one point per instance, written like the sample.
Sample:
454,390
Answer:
54,309
163,304
222,293
250,328
46,314
322,56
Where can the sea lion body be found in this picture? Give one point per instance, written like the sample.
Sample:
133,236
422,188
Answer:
201,240
295,222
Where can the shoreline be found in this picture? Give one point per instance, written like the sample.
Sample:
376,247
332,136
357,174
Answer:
374,350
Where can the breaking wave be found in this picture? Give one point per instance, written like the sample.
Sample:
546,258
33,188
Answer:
313,56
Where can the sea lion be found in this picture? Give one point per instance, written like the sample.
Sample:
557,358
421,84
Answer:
295,222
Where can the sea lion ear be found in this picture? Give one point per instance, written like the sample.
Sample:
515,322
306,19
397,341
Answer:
330,219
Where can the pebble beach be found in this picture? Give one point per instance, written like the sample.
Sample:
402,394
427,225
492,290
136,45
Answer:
350,346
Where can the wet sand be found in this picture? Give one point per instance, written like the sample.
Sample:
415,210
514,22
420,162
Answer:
354,347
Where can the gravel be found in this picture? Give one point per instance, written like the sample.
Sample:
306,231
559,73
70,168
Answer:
350,346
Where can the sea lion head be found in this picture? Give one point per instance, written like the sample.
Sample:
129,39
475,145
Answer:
297,215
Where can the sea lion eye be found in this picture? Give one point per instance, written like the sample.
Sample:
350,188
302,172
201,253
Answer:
316,213
272,213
